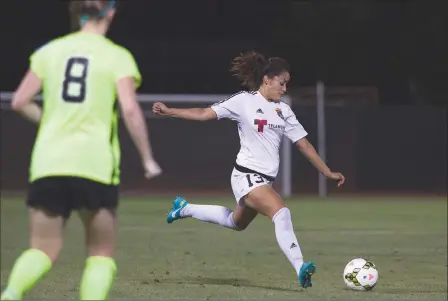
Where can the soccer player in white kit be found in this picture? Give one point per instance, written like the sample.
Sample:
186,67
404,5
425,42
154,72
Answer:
262,121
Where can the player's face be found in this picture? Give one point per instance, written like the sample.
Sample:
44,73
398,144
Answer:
277,86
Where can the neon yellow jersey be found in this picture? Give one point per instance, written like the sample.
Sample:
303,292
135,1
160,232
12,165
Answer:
77,135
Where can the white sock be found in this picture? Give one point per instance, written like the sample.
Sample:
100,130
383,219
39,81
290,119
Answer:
211,214
286,238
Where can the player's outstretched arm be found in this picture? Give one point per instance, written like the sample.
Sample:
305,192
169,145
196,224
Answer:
307,149
199,114
136,125
22,101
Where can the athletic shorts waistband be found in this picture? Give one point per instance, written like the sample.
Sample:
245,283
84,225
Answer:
248,170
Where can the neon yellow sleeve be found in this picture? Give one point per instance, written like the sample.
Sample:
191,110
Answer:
37,62
127,67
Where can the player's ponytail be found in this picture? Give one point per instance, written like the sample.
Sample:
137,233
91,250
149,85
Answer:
83,10
251,67
248,68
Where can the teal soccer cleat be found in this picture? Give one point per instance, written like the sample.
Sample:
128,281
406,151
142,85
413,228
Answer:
178,204
307,269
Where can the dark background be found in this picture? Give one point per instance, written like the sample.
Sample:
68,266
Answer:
384,63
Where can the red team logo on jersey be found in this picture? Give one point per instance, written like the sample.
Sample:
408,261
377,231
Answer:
261,123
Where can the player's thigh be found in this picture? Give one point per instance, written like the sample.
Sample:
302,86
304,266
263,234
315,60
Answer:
49,208
243,216
97,204
254,191
46,231
242,183
265,200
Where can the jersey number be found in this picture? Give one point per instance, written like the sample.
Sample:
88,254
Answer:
77,80
258,180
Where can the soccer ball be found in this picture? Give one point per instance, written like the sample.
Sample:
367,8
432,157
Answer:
360,275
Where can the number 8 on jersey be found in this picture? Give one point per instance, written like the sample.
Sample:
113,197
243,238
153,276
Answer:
74,85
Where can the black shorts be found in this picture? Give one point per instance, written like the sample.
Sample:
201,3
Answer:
61,195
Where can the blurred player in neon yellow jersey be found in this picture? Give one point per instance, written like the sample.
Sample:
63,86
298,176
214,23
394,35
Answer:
76,156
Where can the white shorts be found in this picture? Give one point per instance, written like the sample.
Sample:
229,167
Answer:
243,183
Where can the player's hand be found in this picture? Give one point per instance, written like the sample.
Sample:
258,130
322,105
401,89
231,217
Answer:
160,109
337,177
152,169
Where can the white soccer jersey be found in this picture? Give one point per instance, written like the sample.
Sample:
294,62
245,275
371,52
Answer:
261,125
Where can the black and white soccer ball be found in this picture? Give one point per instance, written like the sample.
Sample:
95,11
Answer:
360,275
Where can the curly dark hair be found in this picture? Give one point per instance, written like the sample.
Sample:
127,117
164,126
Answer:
251,67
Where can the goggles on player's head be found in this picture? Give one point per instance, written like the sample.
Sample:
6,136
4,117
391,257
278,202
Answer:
101,14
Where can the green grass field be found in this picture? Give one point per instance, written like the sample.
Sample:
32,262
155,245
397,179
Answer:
406,239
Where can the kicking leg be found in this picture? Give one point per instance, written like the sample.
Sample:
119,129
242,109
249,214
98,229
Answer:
237,220
46,236
266,201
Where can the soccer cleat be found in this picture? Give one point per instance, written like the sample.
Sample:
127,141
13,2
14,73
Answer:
178,204
307,269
